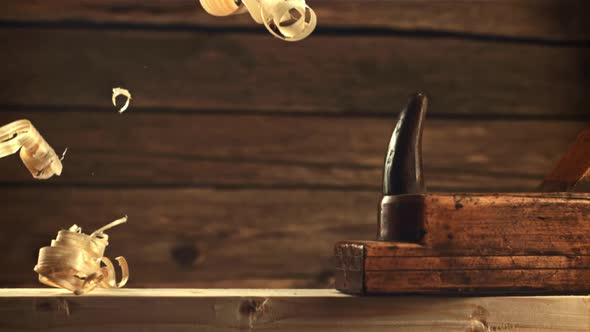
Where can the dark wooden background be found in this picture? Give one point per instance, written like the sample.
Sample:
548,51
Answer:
242,159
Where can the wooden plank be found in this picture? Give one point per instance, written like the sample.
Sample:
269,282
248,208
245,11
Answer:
283,310
192,238
196,70
139,149
543,19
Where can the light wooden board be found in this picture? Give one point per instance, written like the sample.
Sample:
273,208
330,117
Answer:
541,19
196,150
282,310
225,71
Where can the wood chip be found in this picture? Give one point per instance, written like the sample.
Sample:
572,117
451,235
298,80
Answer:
39,158
289,20
118,92
73,261
63,154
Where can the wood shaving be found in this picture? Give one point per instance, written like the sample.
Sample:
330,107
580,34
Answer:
118,92
39,158
289,20
63,154
73,261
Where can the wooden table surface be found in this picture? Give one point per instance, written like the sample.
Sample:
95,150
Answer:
282,310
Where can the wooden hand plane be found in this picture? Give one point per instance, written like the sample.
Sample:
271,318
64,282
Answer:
471,243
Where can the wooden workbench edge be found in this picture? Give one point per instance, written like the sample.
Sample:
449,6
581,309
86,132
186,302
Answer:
282,310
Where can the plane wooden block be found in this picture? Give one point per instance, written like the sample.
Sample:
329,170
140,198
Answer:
471,243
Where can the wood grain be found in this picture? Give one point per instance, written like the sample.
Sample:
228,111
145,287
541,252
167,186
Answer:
170,149
349,261
180,310
502,224
399,268
222,71
542,19
380,263
479,282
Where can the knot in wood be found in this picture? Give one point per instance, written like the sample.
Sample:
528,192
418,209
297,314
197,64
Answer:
251,307
55,306
186,255
252,310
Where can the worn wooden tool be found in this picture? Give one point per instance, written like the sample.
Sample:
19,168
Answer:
471,243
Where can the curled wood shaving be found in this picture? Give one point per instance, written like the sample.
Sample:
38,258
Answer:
289,20
39,158
73,261
118,92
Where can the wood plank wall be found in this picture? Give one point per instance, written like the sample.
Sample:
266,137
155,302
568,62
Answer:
242,159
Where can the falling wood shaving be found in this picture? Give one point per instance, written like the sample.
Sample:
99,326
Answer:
118,92
289,20
73,261
39,158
